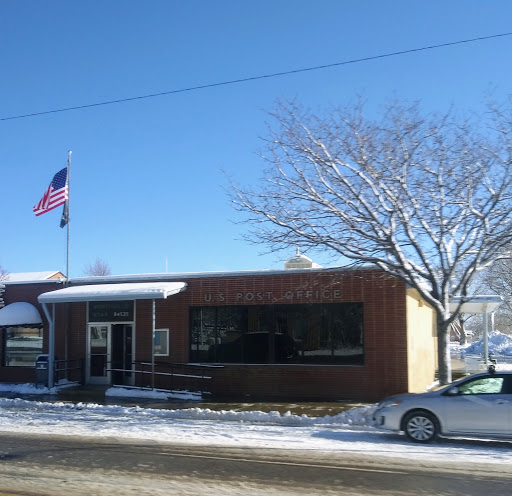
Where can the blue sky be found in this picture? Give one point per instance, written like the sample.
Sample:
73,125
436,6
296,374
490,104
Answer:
147,183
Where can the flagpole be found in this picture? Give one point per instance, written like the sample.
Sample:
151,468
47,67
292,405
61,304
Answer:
69,218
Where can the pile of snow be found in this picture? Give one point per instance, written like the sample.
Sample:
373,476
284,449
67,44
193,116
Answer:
497,344
28,388
154,394
361,416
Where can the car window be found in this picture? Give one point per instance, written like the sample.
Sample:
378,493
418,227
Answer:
507,387
484,385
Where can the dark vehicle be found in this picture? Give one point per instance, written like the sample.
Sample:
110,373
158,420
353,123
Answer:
255,347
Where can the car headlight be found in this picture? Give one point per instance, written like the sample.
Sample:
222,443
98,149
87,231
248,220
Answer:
388,403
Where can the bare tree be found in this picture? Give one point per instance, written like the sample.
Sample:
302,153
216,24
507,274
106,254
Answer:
4,275
417,195
98,268
498,279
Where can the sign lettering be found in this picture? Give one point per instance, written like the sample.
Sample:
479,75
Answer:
269,296
111,311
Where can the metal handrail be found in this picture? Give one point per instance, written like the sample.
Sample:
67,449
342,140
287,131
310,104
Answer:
80,366
171,374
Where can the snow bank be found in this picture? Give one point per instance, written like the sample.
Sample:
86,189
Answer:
497,344
119,392
355,417
28,388
361,416
156,394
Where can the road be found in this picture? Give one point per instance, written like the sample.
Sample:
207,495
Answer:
66,466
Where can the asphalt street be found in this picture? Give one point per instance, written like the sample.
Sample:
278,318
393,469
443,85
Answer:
44,465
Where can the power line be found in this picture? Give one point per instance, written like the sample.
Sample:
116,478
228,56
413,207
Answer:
256,78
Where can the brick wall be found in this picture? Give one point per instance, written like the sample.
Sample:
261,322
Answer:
385,334
385,348
27,293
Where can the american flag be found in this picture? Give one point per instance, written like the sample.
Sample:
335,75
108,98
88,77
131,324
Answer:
55,195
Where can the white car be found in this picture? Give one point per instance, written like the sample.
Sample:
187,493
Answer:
477,406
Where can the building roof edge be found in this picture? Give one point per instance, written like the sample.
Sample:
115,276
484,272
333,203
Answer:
37,281
195,275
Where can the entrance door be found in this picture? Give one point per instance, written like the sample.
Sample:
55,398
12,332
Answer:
98,354
109,357
122,354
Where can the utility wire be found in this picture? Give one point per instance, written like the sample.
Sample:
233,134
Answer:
256,78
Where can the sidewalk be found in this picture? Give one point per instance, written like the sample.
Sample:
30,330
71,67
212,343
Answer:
96,395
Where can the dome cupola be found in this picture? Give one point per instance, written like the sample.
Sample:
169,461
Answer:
300,261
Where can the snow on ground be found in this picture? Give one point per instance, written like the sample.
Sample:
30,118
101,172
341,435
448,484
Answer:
348,431
157,394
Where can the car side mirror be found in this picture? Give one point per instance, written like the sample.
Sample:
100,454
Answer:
454,391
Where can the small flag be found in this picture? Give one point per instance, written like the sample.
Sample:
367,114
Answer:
55,195
65,215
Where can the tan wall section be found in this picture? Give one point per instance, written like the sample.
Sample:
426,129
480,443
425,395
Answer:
421,342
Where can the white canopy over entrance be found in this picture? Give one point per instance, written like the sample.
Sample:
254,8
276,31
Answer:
20,314
104,292
114,292
478,304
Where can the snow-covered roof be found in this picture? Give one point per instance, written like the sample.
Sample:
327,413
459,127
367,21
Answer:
196,275
33,276
114,292
476,304
20,313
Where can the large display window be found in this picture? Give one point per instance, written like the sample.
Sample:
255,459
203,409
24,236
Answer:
327,333
21,346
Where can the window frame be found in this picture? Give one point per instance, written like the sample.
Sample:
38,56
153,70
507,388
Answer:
5,338
321,319
166,331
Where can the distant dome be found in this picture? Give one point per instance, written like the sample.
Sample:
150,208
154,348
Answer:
300,262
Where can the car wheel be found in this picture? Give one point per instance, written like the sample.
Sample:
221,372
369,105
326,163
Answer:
421,427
